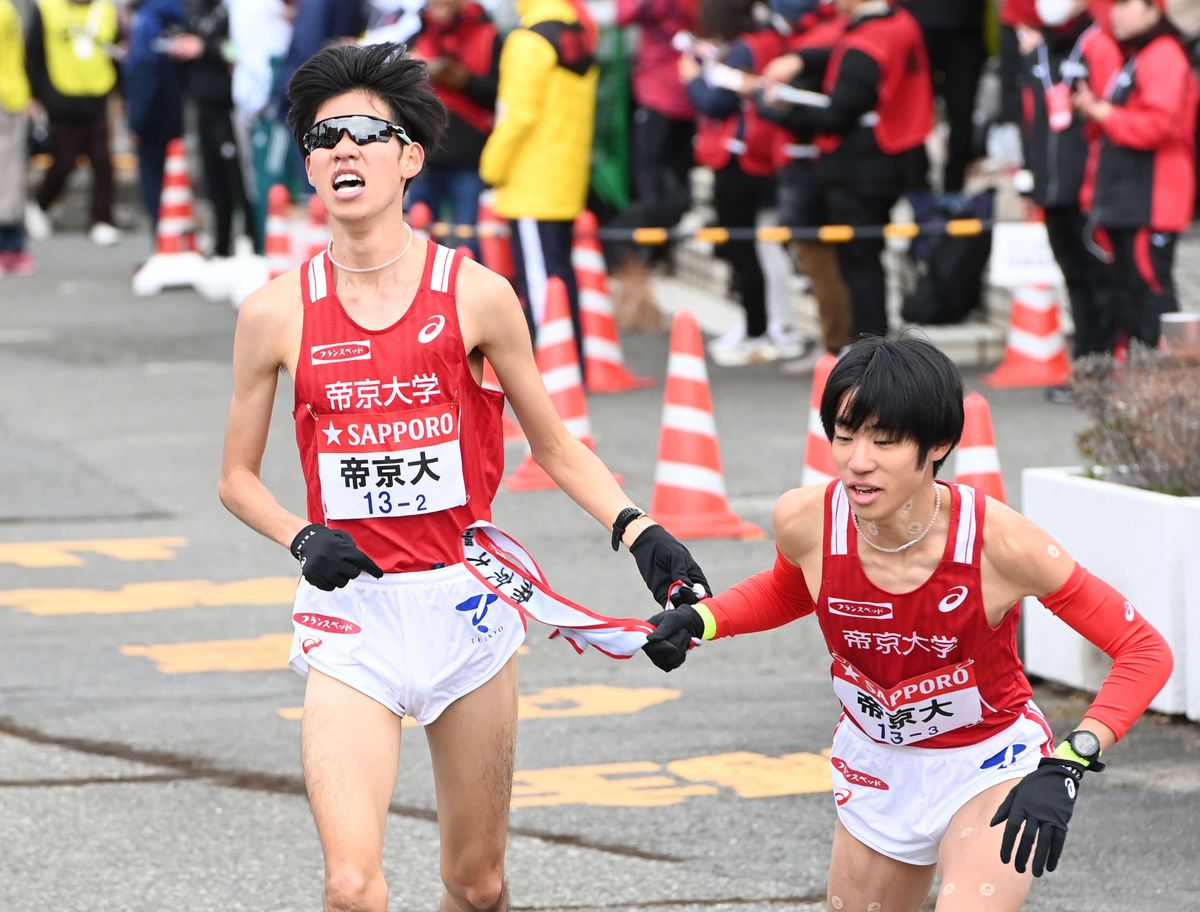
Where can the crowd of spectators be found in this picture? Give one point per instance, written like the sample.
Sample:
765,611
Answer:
806,113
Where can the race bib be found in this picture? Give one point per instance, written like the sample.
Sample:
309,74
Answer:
915,709
396,464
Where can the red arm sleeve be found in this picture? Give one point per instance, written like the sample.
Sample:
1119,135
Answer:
762,602
1142,660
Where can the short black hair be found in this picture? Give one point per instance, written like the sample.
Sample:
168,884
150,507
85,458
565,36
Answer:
383,70
906,387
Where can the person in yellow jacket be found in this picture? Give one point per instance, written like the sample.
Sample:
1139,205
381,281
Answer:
70,66
14,108
538,156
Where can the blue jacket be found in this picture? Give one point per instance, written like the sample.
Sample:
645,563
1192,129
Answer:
150,80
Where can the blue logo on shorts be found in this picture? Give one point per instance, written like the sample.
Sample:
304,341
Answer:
479,605
1004,758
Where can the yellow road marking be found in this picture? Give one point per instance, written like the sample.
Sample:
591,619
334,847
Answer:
268,652
644,783
38,555
270,590
568,702
758,776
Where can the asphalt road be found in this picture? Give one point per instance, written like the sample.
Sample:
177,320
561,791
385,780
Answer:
148,733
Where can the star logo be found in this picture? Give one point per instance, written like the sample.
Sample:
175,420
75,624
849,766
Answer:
332,434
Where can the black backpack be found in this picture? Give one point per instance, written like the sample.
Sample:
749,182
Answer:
949,270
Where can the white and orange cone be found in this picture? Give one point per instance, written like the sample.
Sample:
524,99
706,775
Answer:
976,462
495,243
176,262
1036,354
819,467
604,362
316,233
558,364
278,246
689,486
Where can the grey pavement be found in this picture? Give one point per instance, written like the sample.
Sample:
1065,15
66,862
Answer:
127,787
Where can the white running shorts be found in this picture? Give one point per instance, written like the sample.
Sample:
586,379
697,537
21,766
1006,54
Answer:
899,801
414,642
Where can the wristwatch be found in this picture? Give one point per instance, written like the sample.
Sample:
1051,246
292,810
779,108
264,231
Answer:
1082,747
621,523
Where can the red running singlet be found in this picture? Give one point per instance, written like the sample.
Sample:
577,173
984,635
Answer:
921,666
400,446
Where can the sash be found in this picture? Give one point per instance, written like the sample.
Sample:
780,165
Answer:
505,568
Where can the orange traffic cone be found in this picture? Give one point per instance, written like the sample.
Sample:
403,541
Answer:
176,262
420,219
316,235
1036,354
604,363
559,366
976,462
689,486
495,245
278,246
512,430
819,467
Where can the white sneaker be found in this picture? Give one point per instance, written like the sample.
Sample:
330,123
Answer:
37,223
104,234
732,338
790,342
759,350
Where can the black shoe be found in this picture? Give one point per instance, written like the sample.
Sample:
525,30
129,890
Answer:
1060,395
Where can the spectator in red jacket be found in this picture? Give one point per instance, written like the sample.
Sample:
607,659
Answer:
1068,51
663,127
1145,162
461,46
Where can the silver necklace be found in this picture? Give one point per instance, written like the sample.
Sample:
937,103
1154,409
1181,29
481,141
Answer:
937,505
329,253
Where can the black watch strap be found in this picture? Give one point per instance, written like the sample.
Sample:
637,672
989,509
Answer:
621,523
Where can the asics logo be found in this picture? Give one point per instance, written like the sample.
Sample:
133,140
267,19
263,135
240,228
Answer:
1070,788
956,597
432,329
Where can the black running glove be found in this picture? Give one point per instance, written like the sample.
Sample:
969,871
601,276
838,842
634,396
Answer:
1043,802
668,645
663,561
329,558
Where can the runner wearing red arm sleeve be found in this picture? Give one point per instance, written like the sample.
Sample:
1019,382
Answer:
917,585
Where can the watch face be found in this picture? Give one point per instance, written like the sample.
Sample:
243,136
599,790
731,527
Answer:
1085,744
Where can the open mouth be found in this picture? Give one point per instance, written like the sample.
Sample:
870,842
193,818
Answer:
348,183
864,490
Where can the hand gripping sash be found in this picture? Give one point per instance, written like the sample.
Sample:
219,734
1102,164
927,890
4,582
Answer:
505,568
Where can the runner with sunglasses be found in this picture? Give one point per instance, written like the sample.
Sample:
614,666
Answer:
384,336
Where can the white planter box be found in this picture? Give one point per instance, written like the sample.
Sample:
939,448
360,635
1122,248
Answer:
1142,543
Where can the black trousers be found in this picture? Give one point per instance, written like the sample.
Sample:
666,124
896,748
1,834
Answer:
861,259
542,249
956,61
71,139
223,182
738,197
1143,286
1089,281
662,161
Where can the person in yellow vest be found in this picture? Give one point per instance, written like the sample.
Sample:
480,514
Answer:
538,156
70,66
14,107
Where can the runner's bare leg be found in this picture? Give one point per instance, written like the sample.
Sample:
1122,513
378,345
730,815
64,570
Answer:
350,749
861,878
472,745
973,877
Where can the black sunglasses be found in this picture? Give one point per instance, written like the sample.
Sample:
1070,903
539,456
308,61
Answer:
363,129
